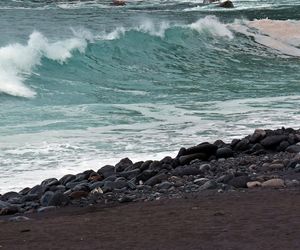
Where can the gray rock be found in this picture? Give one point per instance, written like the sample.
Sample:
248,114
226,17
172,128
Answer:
204,148
123,164
224,152
36,190
50,182
96,185
200,181
129,174
45,198
82,187
293,149
186,159
145,165
24,191
239,181
204,167
4,204
106,171
18,218
186,170
10,195
156,179
258,135
242,145
67,178
127,198
273,140
225,178
145,175
30,197
208,185
46,209
164,185
59,200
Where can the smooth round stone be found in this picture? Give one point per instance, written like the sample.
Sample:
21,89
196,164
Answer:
253,184
274,183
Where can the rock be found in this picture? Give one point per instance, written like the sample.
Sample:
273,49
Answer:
36,190
45,198
96,185
226,4
78,194
257,136
81,187
273,140
186,159
274,183
224,152
178,182
145,165
292,183
129,174
127,198
136,165
276,166
204,167
4,204
186,170
124,163
155,165
72,184
205,148
242,145
106,171
256,147
164,185
67,178
225,178
145,175
120,183
208,185
9,195
18,218
253,184
46,209
59,200
239,181
50,182
200,181
156,179
30,197
282,146
95,178
293,149
24,191
9,210
58,188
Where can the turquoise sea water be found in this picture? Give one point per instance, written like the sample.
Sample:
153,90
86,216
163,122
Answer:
83,83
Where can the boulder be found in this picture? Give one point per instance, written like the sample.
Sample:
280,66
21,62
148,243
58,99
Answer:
186,159
253,184
274,183
204,148
239,181
67,178
59,200
46,197
273,140
186,170
106,171
226,4
156,179
123,164
208,185
293,149
224,152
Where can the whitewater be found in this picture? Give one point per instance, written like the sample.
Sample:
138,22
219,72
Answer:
84,83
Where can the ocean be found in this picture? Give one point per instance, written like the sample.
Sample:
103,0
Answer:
85,83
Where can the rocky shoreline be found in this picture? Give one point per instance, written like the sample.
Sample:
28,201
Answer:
265,159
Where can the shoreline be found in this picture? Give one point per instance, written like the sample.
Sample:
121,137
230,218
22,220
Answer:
264,159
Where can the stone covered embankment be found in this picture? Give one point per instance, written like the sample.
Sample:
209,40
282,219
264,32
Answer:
267,158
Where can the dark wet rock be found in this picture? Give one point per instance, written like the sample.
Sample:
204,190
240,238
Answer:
46,209
156,179
276,166
208,185
239,181
224,152
219,143
58,188
123,164
200,181
182,151
227,4
134,166
96,185
129,174
95,177
256,147
30,197
18,218
257,136
127,198
155,165
242,145
9,210
4,204
145,165
273,140
293,149
120,183
145,175
131,184
24,191
45,198
205,167
225,178
81,187
106,171
78,194
71,185
164,185
59,199
10,195
50,182
234,142
186,170
80,177
186,159
204,148
36,190
67,178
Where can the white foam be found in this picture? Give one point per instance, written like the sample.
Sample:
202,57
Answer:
212,25
280,35
17,61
